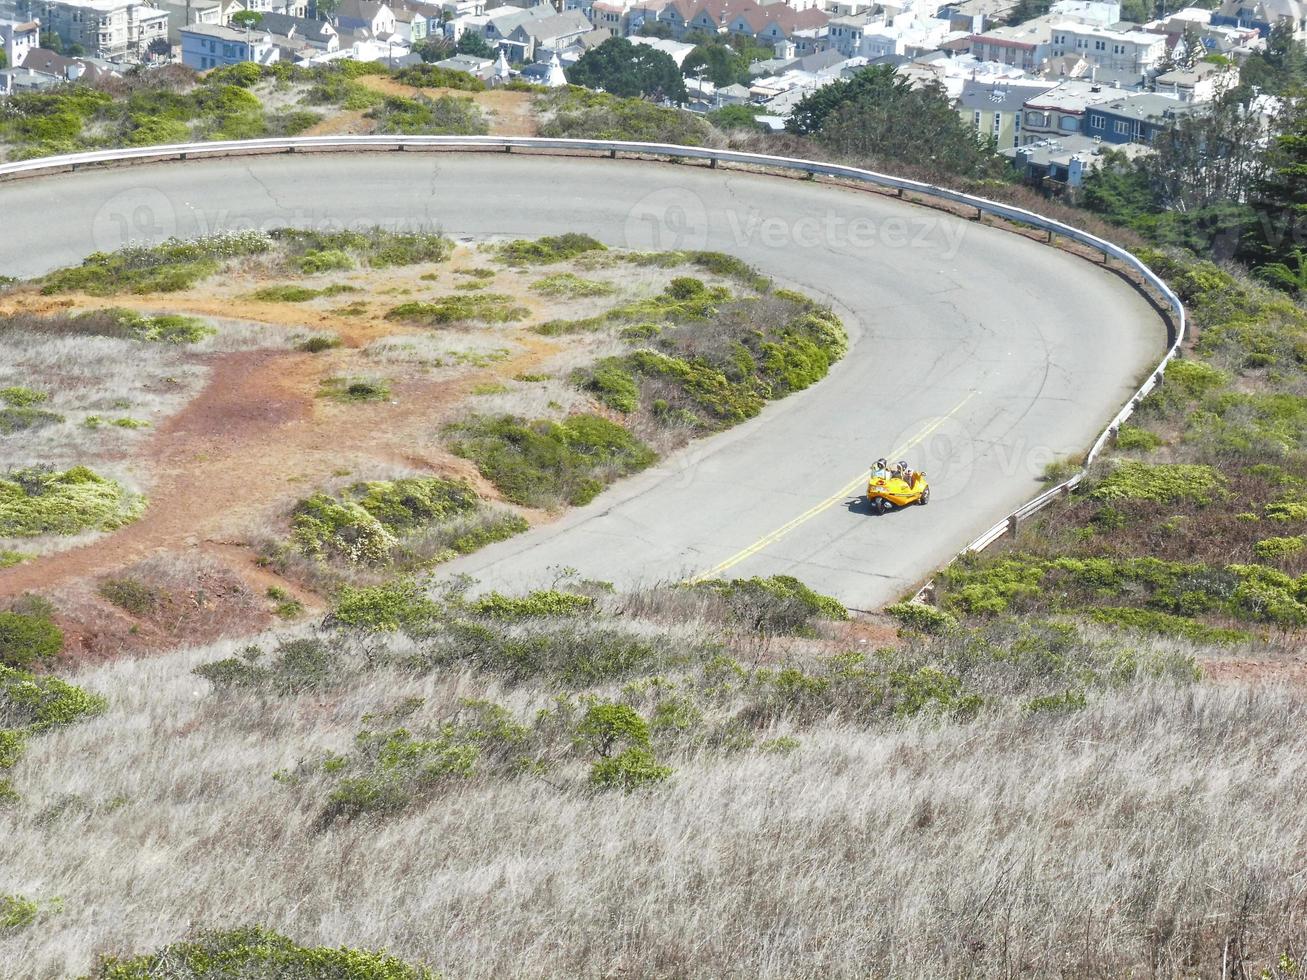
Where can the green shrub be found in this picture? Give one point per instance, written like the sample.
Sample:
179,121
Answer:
447,115
163,329
307,664
317,261
384,608
19,397
17,912
480,308
319,343
613,384
1165,624
779,604
548,602
130,595
25,640
23,419
355,389
1069,700
922,618
299,294
548,250
35,502
35,703
256,952
1276,548
542,463
429,76
1131,438
608,726
631,770
572,286
364,523
1162,483
175,265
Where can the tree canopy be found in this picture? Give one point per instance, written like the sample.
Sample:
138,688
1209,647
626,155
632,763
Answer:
879,114
621,68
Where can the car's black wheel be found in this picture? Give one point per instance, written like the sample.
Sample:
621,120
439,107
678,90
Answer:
880,505
925,497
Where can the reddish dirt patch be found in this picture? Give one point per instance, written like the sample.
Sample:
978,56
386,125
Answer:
508,113
223,471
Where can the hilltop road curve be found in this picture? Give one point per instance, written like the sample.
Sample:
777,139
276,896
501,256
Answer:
978,355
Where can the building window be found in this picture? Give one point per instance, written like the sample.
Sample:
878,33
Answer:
1069,124
1096,121
975,122
998,122
1036,119
1121,128
1100,45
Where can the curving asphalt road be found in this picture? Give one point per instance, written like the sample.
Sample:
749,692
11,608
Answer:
977,354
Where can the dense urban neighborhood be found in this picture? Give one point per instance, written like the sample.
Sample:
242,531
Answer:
1053,91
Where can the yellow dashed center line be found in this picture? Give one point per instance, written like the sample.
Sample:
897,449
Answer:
772,537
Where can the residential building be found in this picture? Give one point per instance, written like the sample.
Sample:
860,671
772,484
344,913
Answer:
678,51
373,18
17,38
206,46
1263,15
199,12
1135,119
415,22
845,33
111,29
47,62
1202,83
546,34
502,21
296,33
994,108
1060,111
1025,46
1063,162
286,8
1100,13
1134,51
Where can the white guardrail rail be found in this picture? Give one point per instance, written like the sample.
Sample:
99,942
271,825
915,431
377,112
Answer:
185,151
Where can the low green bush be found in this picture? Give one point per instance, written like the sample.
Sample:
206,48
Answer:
922,618
319,343
175,265
779,604
1274,549
365,523
547,250
570,285
329,251
28,639
295,666
25,419
355,389
548,602
130,595
429,76
20,397
1069,700
628,771
1161,483
162,329
463,308
544,464
1131,438
256,952
299,294
17,912
37,501
445,115
385,608
1165,624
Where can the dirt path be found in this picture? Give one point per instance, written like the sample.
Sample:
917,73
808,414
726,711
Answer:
508,113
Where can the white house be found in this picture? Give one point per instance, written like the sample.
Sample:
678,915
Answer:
373,17
1135,51
17,38
206,46
102,28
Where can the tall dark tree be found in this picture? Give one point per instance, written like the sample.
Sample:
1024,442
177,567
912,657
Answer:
1277,242
1280,67
472,43
621,68
878,115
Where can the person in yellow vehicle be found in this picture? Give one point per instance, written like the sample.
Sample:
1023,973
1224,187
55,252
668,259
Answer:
902,472
881,470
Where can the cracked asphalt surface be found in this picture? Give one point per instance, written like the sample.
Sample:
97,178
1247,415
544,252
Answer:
990,355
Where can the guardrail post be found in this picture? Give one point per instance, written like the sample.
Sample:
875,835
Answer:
612,154
1051,236
1012,526
712,164
1066,490
508,147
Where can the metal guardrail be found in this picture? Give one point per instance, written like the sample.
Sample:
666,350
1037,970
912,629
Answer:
611,148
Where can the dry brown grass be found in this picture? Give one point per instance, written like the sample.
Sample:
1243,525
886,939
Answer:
1152,833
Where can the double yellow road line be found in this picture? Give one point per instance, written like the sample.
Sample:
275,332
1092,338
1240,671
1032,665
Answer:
842,493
